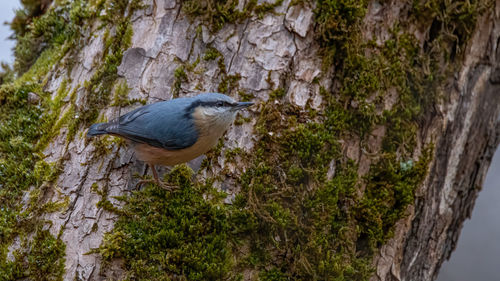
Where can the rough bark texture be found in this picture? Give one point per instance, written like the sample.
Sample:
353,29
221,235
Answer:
278,49
466,132
469,137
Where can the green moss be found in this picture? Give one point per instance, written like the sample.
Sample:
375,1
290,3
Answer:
51,124
240,120
292,156
7,74
217,13
120,96
277,94
303,212
45,172
56,206
20,168
231,154
337,23
101,83
192,66
165,234
105,145
111,246
25,130
389,190
31,118
211,54
39,259
37,73
180,76
29,10
272,275
46,257
261,9
19,133
48,30
451,24
104,203
228,83
244,96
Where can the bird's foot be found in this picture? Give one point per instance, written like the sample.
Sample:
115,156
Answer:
166,186
141,182
156,179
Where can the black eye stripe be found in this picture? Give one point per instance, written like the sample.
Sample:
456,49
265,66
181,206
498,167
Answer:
216,103
197,103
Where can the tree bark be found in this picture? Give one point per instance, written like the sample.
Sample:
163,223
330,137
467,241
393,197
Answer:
278,49
466,133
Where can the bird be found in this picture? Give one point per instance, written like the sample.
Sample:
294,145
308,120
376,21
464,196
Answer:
174,131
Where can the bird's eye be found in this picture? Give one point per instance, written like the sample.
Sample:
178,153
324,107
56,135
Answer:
220,104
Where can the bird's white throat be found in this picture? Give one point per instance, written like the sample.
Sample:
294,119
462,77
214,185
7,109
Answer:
213,120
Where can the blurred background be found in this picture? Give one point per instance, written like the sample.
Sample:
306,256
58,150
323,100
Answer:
477,256
7,11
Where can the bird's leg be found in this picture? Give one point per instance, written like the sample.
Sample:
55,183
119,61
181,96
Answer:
155,174
157,180
160,183
143,181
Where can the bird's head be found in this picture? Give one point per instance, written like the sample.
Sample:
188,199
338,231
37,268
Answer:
217,110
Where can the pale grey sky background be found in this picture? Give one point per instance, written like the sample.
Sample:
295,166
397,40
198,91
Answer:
477,256
6,14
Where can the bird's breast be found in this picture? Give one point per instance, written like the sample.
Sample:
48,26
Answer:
210,129
159,156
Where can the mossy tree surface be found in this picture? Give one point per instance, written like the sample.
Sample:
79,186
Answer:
31,117
292,219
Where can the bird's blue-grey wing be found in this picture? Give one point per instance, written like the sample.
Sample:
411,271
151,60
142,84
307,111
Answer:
164,124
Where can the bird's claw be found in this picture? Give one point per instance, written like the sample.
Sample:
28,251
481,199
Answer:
163,185
169,187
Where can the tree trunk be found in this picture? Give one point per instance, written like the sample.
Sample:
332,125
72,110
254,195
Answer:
373,129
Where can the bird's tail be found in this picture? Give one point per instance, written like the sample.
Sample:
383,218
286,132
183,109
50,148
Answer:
97,129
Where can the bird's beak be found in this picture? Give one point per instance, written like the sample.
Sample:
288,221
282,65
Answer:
242,105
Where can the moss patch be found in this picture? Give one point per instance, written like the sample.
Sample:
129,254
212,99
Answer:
120,95
101,83
41,258
304,211
217,13
163,234
31,118
180,76
47,30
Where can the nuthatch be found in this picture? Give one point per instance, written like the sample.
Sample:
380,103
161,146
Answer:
174,131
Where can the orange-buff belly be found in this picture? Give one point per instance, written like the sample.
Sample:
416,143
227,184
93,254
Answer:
159,156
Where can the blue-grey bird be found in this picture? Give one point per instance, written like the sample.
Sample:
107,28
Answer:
174,131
